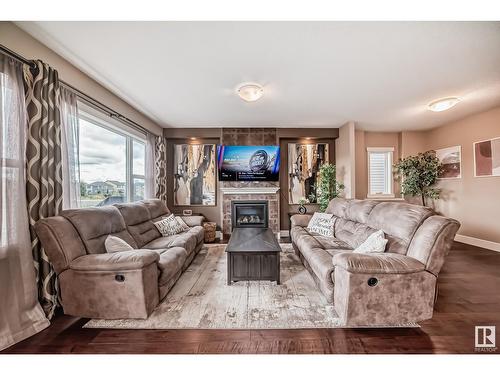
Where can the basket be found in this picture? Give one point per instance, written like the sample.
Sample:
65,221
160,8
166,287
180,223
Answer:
210,229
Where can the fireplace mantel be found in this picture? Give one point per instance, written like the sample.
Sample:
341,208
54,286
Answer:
250,190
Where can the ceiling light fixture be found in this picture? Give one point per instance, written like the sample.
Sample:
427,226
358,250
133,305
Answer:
443,104
250,92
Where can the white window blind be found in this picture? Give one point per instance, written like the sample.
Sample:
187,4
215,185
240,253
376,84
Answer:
380,172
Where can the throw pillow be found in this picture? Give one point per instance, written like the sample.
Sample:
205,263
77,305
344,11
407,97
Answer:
375,243
182,223
322,223
114,244
168,226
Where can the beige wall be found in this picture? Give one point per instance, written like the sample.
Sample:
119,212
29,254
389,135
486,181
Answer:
345,158
24,44
412,142
474,201
364,139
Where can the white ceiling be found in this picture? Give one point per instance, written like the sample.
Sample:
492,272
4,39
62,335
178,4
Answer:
315,74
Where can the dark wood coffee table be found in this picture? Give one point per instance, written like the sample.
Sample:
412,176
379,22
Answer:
253,254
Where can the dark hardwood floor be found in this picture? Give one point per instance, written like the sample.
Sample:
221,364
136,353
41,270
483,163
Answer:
469,295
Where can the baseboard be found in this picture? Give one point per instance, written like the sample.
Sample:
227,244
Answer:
490,245
284,233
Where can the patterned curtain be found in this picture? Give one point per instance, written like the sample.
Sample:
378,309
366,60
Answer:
161,168
44,189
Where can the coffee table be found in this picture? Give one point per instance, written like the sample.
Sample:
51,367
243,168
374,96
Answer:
253,254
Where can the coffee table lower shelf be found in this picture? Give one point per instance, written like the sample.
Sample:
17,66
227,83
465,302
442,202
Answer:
253,266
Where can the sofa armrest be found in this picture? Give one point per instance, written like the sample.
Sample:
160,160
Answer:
119,261
193,221
299,220
380,263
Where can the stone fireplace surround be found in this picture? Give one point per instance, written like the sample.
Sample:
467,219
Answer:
269,194
246,191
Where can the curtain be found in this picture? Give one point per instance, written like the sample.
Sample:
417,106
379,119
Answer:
149,182
161,168
44,169
20,313
69,147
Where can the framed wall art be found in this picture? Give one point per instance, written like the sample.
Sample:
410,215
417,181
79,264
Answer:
487,158
304,161
194,175
451,162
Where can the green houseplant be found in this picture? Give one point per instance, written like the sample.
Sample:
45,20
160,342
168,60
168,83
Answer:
328,187
418,174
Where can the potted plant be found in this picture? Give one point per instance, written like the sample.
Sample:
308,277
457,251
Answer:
328,187
418,174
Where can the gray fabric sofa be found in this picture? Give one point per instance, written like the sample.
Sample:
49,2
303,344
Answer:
127,284
390,288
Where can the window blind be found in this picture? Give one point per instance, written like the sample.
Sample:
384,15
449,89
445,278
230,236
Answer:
379,173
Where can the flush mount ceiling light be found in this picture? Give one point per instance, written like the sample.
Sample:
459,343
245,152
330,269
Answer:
250,92
443,104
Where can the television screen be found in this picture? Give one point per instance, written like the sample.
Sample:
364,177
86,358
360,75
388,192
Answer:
248,163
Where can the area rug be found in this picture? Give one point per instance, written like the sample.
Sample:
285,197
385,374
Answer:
202,299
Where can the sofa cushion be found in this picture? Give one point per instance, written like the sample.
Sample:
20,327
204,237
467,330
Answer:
94,224
186,240
60,240
303,238
138,221
338,207
198,232
353,233
157,208
331,243
170,263
399,221
193,221
358,210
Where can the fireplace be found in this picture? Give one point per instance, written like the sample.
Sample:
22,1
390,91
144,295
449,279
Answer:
249,214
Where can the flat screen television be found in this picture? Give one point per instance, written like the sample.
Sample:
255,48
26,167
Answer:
248,163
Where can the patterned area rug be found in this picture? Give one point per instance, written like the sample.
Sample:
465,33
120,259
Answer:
202,299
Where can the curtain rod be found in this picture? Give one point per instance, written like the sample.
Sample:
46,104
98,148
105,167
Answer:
86,98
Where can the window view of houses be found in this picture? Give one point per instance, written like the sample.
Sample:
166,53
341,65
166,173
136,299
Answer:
105,172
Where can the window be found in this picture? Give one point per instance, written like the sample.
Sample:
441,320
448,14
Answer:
112,162
14,233
380,172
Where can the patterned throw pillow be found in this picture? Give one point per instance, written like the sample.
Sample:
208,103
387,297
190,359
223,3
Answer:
114,244
182,223
375,243
322,223
168,226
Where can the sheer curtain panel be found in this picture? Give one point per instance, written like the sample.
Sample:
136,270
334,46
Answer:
70,153
149,176
20,313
